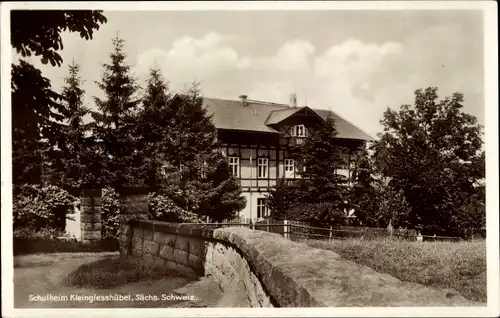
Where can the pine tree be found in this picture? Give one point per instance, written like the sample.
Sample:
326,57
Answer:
115,121
179,137
363,196
65,168
323,192
153,128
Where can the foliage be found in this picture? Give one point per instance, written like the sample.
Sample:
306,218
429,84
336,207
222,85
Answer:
36,116
364,194
115,121
317,214
321,194
110,212
38,32
40,207
37,111
393,210
45,233
432,152
73,163
182,157
471,216
163,208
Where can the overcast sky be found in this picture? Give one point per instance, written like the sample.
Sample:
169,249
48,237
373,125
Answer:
355,63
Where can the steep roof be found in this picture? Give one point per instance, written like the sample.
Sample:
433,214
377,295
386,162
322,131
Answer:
256,115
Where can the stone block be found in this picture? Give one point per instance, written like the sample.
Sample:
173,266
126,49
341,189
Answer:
125,229
91,235
137,240
148,260
181,257
197,264
148,234
164,238
90,217
136,251
167,252
185,270
159,263
182,243
150,247
90,226
197,247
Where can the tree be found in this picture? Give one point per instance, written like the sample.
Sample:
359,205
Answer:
392,210
180,140
115,121
318,159
363,196
39,31
36,122
431,151
36,109
153,129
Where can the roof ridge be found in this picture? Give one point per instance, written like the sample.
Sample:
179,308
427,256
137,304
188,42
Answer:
347,121
252,101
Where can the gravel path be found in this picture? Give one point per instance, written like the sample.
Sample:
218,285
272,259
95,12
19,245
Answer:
39,277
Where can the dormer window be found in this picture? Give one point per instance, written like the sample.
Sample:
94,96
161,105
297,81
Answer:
298,131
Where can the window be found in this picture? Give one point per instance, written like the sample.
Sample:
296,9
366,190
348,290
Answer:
262,167
234,166
289,168
298,131
203,170
262,210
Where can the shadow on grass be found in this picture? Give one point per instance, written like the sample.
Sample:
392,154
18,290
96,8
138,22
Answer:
111,272
24,246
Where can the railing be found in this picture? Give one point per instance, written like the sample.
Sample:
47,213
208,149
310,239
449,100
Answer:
299,230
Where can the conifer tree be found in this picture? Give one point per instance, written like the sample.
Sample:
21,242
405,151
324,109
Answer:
115,121
180,141
322,190
69,170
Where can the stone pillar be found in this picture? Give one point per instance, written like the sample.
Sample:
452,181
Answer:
134,205
90,216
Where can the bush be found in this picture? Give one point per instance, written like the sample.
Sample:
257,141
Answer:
37,234
28,240
162,208
317,214
110,212
40,207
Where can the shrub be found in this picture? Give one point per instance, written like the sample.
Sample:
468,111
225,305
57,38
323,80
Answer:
317,214
40,207
31,233
110,212
162,208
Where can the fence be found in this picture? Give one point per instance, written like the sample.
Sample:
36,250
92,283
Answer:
295,230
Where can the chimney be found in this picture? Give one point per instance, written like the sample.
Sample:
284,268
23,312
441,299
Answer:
243,100
293,100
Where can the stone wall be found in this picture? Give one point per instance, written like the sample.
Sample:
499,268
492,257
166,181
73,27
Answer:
269,270
90,216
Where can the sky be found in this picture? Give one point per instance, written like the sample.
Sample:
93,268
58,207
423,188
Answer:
356,63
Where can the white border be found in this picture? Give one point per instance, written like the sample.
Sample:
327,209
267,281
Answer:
491,131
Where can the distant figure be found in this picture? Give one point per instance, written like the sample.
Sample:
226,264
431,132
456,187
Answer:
420,238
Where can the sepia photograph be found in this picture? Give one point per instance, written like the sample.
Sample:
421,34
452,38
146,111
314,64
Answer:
219,158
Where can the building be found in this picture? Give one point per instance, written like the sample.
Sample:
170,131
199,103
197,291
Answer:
256,137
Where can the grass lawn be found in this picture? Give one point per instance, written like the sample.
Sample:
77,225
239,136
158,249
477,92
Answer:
457,265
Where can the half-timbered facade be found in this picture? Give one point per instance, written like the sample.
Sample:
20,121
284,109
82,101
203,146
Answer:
256,137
